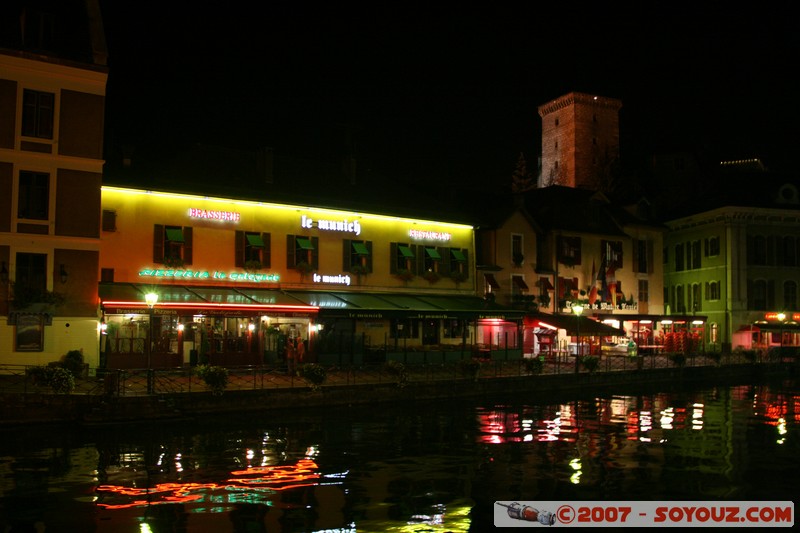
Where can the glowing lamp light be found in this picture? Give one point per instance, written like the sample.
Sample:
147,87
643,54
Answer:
151,298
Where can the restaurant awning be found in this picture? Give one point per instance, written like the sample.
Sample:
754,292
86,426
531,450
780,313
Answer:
392,305
574,324
128,298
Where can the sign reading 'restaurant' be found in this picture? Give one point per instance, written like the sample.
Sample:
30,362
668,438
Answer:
210,214
430,235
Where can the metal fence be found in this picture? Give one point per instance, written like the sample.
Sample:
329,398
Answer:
17,379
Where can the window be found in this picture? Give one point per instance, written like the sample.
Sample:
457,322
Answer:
569,250
357,256
756,250
679,257
641,258
457,265
430,258
644,290
107,275
694,254
34,196
404,328
253,249
403,258
757,295
712,290
696,303
680,304
790,296
172,245
31,274
454,328
556,122
109,220
712,246
302,251
611,254
516,249
37,114
789,251
713,334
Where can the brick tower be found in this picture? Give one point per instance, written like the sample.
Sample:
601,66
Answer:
580,140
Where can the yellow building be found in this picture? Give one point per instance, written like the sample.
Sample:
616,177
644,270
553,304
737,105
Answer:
240,282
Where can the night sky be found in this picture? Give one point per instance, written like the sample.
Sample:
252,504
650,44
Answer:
447,93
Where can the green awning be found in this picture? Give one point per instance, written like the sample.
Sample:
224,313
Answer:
305,244
406,251
432,253
255,240
174,234
458,255
360,248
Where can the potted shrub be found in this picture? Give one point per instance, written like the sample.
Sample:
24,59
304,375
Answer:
397,370
73,361
432,276
458,276
304,268
315,374
215,377
404,275
55,376
678,359
534,365
173,261
590,362
471,367
253,265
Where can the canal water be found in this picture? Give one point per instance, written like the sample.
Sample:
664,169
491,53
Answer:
428,467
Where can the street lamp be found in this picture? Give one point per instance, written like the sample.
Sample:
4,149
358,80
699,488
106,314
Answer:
578,310
781,317
151,298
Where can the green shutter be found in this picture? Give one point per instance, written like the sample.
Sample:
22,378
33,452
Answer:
406,251
360,248
305,244
255,240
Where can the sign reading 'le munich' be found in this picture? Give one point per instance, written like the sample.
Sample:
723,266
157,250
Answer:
349,226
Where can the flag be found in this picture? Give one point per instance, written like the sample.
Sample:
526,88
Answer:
593,285
611,281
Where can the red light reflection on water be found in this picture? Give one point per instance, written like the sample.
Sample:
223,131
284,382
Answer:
269,478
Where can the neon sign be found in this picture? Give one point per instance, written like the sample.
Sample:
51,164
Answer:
332,225
179,273
430,235
209,214
339,279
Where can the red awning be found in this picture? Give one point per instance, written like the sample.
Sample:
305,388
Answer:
545,284
491,281
519,282
748,328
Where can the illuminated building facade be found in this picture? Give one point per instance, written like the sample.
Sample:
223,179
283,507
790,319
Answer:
238,282
737,260
52,101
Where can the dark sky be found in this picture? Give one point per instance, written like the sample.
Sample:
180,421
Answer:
449,92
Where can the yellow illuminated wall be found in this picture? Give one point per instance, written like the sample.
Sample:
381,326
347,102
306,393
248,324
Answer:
128,250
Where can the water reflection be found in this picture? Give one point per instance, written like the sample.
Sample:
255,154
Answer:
437,467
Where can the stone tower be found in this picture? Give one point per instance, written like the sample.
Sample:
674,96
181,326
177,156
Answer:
580,140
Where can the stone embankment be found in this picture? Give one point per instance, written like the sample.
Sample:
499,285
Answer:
98,410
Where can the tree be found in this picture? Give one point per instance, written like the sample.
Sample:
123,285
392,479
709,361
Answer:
521,179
